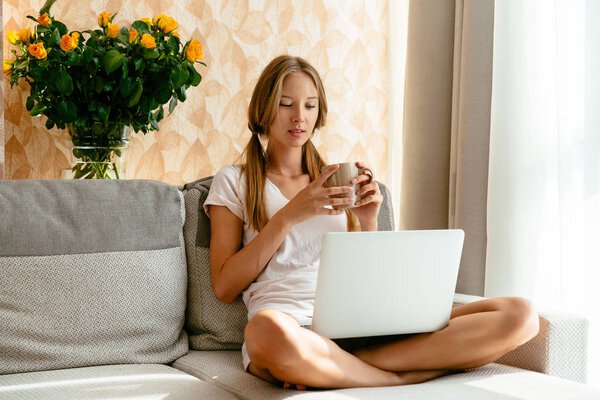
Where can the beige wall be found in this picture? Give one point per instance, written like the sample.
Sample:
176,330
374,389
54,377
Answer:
1,107
346,40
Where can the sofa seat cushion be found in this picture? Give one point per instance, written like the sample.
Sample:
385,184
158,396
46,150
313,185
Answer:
128,381
492,382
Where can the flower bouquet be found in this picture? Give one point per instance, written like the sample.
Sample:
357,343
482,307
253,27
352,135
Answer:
97,83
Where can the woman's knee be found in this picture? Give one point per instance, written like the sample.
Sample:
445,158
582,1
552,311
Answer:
520,319
269,337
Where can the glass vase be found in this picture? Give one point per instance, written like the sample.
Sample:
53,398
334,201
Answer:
99,150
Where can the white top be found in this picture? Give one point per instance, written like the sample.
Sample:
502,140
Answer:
288,282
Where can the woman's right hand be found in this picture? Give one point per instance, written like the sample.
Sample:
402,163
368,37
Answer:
313,199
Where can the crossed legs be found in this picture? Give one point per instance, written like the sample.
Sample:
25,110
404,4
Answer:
478,333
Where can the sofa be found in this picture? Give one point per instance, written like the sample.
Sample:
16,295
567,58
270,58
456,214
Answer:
105,294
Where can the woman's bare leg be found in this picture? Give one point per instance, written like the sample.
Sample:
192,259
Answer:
478,333
282,351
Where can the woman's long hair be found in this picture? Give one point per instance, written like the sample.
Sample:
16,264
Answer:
261,114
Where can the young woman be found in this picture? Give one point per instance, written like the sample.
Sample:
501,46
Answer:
268,216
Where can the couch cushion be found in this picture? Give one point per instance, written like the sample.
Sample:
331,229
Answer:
141,381
210,324
492,382
92,273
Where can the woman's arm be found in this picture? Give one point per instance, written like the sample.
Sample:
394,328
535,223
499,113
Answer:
233,267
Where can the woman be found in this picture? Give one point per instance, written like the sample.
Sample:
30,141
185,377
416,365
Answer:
267,220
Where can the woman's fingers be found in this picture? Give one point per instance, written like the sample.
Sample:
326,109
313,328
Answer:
372,198
336,190
325,174
370,187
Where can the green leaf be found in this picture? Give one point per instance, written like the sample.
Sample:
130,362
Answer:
163,94
64,83
196,77
125,69
139,64
112,60
159,114
140,26
88,54
181,94
72,59
172,104
47,6
98,84
67,111
153,67
49,124
135,98
62,28
103,111
151,54
126,87
37,109
55,37
92,66
29,103
179,76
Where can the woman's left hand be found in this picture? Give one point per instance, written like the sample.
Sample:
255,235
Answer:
367,208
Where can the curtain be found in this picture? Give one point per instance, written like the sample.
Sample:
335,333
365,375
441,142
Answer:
544,172
446,125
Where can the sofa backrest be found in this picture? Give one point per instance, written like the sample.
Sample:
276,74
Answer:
211,324
93,272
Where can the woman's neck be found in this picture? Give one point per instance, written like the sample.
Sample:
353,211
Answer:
286,162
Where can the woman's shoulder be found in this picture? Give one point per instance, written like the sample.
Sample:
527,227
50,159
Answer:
229,173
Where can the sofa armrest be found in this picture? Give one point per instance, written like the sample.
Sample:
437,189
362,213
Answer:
559,349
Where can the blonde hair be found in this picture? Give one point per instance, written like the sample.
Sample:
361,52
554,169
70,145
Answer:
261,114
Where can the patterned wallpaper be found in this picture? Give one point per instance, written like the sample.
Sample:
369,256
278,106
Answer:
345,39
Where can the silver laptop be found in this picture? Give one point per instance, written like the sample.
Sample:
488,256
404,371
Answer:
385,283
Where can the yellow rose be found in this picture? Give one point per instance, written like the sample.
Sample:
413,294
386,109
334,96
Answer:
113,30
193,51
69,42
132,35
103,19
37,50
165,23
176,35
13,37
25,35
148,41
7,67
157,18
44,20
147,21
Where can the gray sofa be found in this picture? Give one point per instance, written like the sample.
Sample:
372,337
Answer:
105,294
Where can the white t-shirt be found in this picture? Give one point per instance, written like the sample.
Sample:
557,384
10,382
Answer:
288,282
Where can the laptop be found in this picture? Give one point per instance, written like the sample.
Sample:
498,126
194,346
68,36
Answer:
386,283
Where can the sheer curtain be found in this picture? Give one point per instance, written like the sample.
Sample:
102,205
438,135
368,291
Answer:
544,172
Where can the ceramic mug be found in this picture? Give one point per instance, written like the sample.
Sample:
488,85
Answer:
342,177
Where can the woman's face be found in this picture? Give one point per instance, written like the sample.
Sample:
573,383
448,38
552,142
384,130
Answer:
297,112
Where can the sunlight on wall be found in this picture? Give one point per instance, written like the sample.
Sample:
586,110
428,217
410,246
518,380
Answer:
346,41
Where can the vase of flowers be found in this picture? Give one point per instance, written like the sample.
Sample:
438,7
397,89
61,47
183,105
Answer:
98,83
